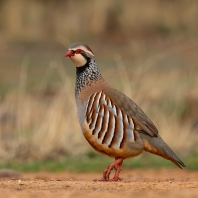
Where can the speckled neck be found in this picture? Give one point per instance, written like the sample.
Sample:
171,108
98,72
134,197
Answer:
86,75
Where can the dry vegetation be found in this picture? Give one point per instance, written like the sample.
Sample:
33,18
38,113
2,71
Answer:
44,124
35,20
160,75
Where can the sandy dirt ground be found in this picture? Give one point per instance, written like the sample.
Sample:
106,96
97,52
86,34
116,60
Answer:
135,183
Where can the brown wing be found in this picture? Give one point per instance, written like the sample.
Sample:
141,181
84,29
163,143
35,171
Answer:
141,121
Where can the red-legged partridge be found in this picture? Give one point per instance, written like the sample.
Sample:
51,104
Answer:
110,121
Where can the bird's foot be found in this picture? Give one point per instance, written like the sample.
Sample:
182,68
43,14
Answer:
114,179
117,164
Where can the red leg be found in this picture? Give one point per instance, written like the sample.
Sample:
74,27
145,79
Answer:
104,175
118,169
118,163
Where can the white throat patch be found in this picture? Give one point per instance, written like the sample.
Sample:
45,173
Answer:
78,60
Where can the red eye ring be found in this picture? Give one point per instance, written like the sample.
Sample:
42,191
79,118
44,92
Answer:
78,51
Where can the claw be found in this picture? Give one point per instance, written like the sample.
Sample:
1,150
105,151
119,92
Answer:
115,179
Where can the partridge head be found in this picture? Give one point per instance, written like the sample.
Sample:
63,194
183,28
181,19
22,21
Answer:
79,54
111,122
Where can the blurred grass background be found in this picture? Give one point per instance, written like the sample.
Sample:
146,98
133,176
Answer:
147,50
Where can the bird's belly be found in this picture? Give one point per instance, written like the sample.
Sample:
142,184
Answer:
128,148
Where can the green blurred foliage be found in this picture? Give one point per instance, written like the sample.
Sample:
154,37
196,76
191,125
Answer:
94,162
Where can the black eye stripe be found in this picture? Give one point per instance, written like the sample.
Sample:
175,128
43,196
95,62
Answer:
78,51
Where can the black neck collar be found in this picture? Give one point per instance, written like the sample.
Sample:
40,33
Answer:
81,69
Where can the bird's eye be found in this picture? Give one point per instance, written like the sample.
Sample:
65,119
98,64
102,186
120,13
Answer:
79,51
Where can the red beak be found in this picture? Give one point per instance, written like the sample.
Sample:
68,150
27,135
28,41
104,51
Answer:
69,53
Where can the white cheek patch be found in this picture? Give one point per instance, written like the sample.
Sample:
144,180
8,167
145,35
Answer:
78,60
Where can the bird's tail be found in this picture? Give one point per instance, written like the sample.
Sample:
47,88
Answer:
157,146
